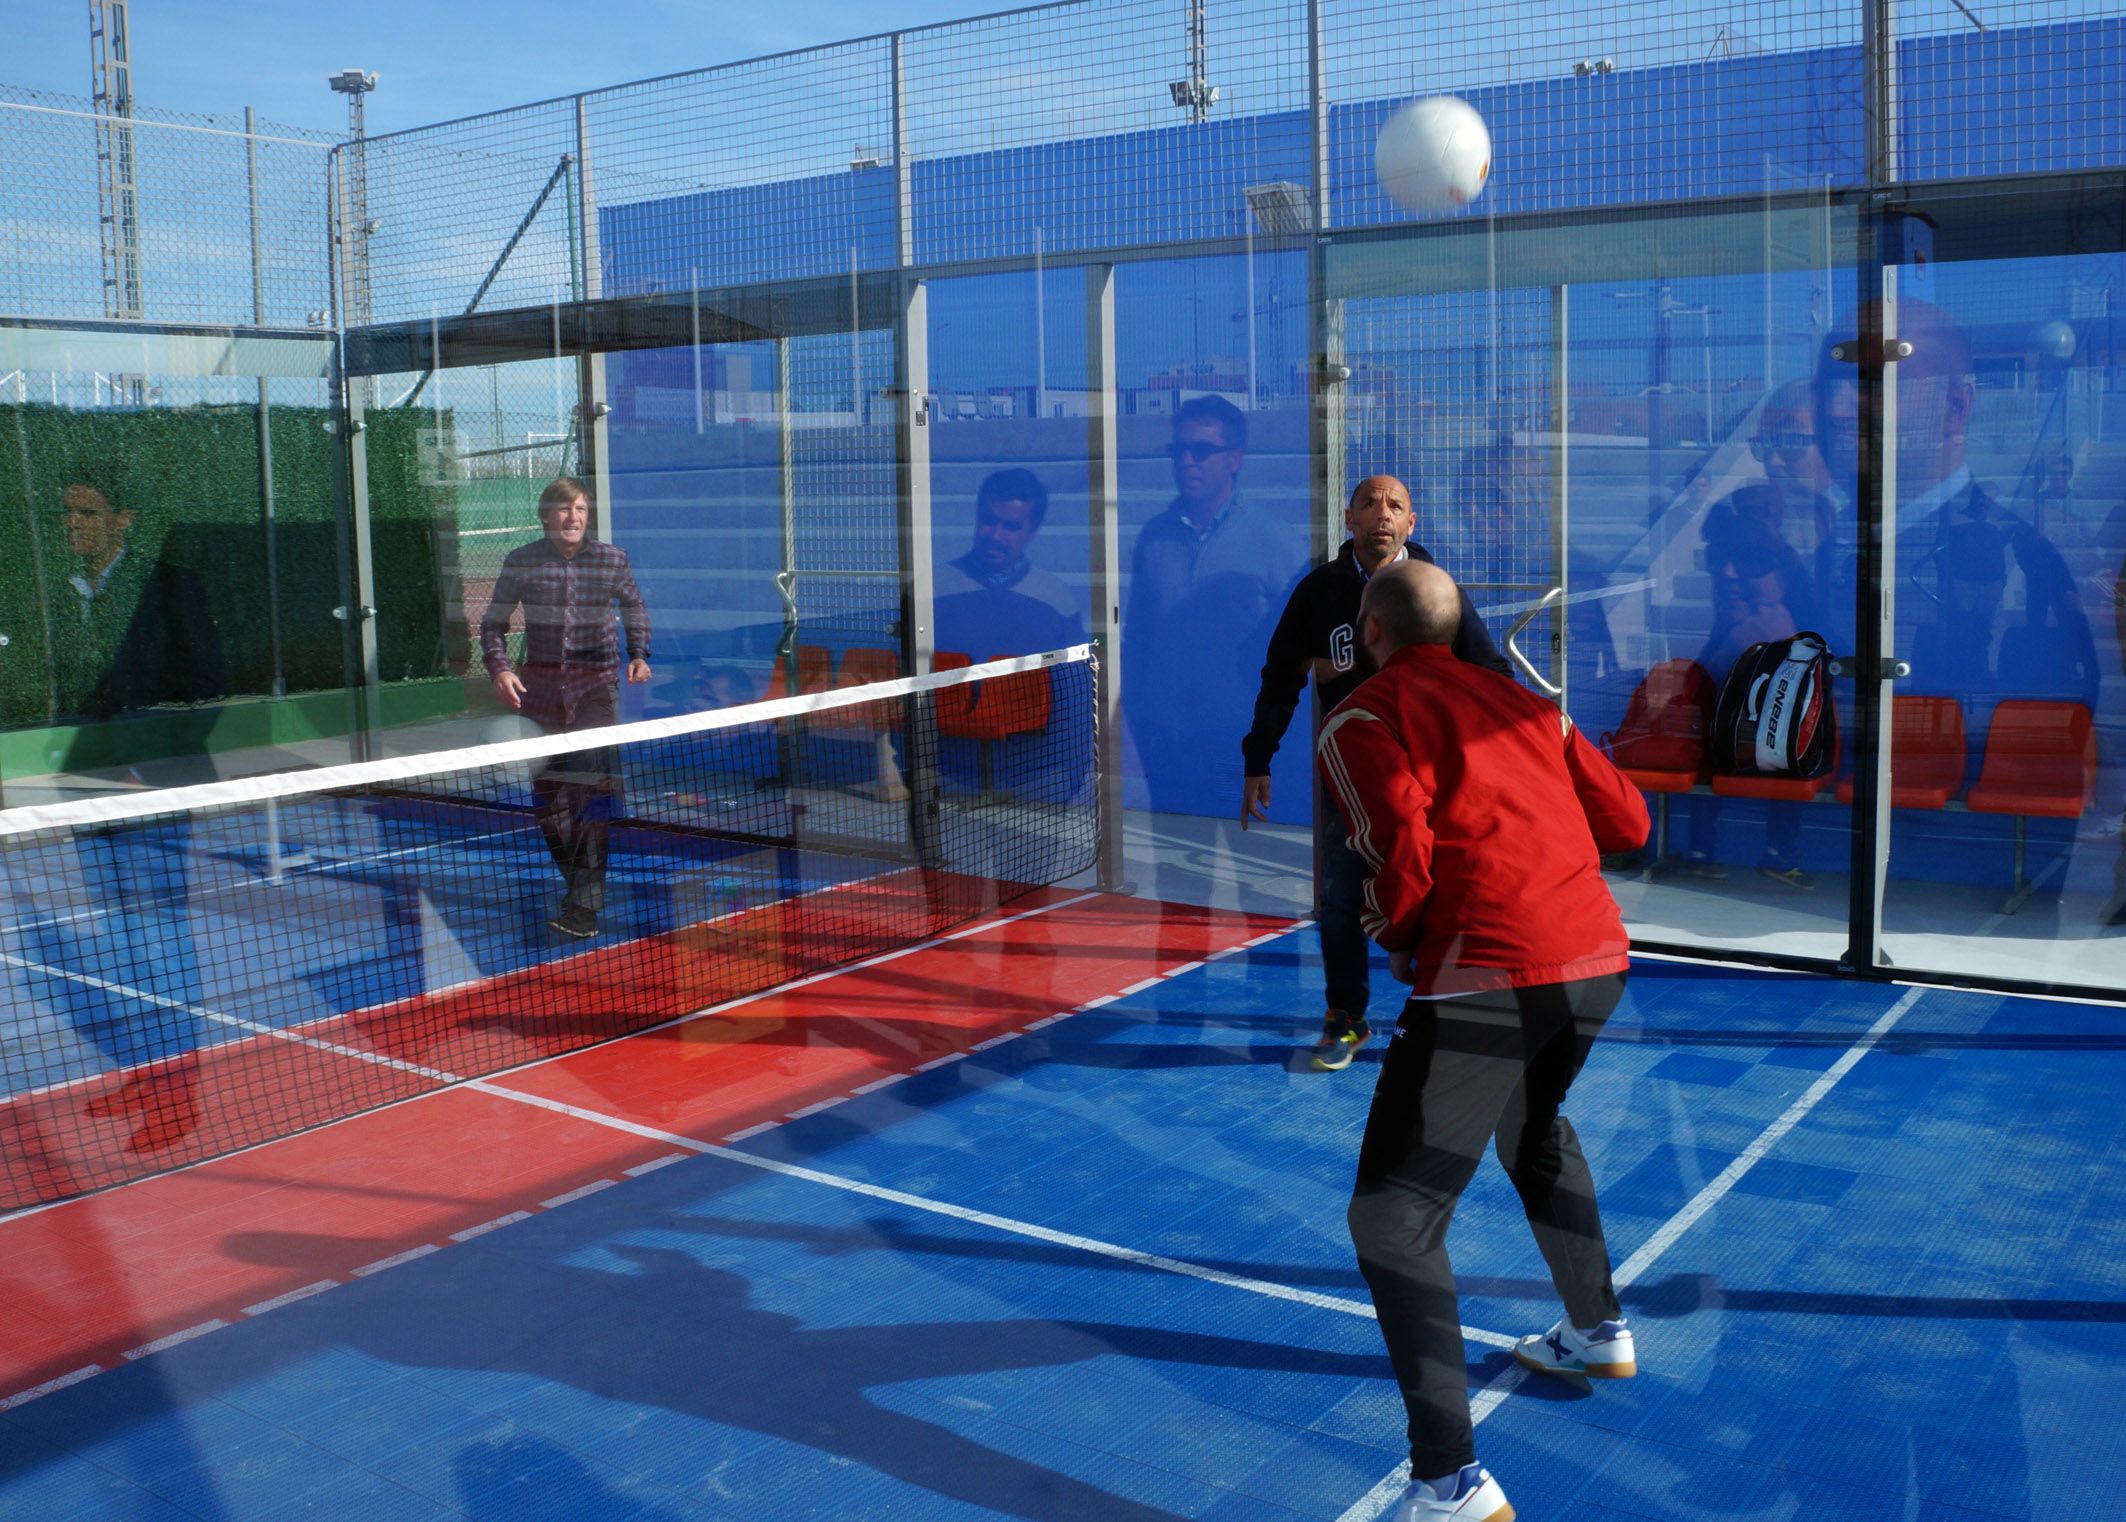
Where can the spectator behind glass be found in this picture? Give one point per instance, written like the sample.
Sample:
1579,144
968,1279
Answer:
132,638
1207,577
993,600
1985,605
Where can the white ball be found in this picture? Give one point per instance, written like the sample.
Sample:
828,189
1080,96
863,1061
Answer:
2055,340
1434,155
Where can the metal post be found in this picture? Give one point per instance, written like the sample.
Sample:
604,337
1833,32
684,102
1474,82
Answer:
786,482
790,738
1103,479
1561,485
357,610
590,368
265,416
1327,314
1040,329
1330,374
911,394
694,300
1878,48
1872,353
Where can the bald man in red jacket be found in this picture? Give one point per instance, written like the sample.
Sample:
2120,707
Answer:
1481,813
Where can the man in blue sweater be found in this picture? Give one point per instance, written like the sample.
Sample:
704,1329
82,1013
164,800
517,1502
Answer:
1318,634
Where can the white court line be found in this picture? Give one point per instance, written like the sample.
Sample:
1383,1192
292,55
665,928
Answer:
1092,1245
408,1256
23,1397
1487,1400
291,1297
171,1341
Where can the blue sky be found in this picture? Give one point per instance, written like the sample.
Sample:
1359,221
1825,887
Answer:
435,59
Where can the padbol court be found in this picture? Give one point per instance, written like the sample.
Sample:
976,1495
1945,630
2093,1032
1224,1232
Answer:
1044,1221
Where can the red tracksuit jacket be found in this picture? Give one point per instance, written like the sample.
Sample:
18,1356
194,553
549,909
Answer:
1483,813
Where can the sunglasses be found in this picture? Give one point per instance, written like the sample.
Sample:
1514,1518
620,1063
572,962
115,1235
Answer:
1780,442
1197,451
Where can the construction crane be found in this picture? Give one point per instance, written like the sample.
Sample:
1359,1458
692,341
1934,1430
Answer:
111,86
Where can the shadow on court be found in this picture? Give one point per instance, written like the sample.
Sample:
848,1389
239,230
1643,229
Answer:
659,1329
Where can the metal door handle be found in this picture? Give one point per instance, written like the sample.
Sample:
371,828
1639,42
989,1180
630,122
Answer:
1548,688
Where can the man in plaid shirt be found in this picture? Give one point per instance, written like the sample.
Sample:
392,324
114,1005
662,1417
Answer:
567,583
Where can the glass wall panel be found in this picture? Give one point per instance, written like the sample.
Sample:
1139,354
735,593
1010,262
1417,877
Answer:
1216,492
751,480
2010,528
171,554
1623,421
1011,561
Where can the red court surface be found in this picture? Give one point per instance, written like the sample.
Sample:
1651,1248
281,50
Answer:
91,1280
284,1079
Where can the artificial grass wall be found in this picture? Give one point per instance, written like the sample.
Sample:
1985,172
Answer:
191,476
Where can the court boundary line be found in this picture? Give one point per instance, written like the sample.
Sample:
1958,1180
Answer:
1375,1502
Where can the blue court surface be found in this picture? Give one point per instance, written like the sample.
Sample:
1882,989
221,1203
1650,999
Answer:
1872,1239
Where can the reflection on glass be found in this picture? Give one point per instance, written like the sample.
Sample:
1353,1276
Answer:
1207,580
2003,539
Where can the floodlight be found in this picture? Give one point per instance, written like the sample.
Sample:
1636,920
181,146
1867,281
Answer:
1281,208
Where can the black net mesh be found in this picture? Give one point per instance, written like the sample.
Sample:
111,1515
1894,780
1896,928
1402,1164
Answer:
221,967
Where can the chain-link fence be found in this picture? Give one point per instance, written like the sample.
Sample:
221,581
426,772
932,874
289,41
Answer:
226,226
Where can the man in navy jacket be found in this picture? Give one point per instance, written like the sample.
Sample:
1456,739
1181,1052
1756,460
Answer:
1318,634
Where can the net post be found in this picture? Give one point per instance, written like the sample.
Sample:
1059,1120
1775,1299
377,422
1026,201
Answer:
1103,501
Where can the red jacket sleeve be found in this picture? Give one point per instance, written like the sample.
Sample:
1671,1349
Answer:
1616,812
1388,817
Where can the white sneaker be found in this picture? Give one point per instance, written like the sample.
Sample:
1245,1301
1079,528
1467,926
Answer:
1605,1352
1476,1497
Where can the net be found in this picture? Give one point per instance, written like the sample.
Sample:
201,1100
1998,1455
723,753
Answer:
195,970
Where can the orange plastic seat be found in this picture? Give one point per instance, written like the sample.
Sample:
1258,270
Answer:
993,711
861,667
2040,759
955,705
815,673
1660,748
1926,753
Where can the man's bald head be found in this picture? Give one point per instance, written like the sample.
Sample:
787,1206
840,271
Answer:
1412,602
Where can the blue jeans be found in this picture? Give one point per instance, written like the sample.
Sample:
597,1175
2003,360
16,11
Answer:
1346,950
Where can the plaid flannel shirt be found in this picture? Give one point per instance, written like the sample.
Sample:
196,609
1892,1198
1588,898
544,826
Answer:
570,645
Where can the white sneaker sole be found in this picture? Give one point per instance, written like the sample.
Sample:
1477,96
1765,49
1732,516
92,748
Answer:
1618,1370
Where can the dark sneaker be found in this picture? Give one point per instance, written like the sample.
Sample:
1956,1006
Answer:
579,923
1341,1037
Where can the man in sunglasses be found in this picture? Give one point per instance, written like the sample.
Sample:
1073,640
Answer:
1318,635
1205,577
